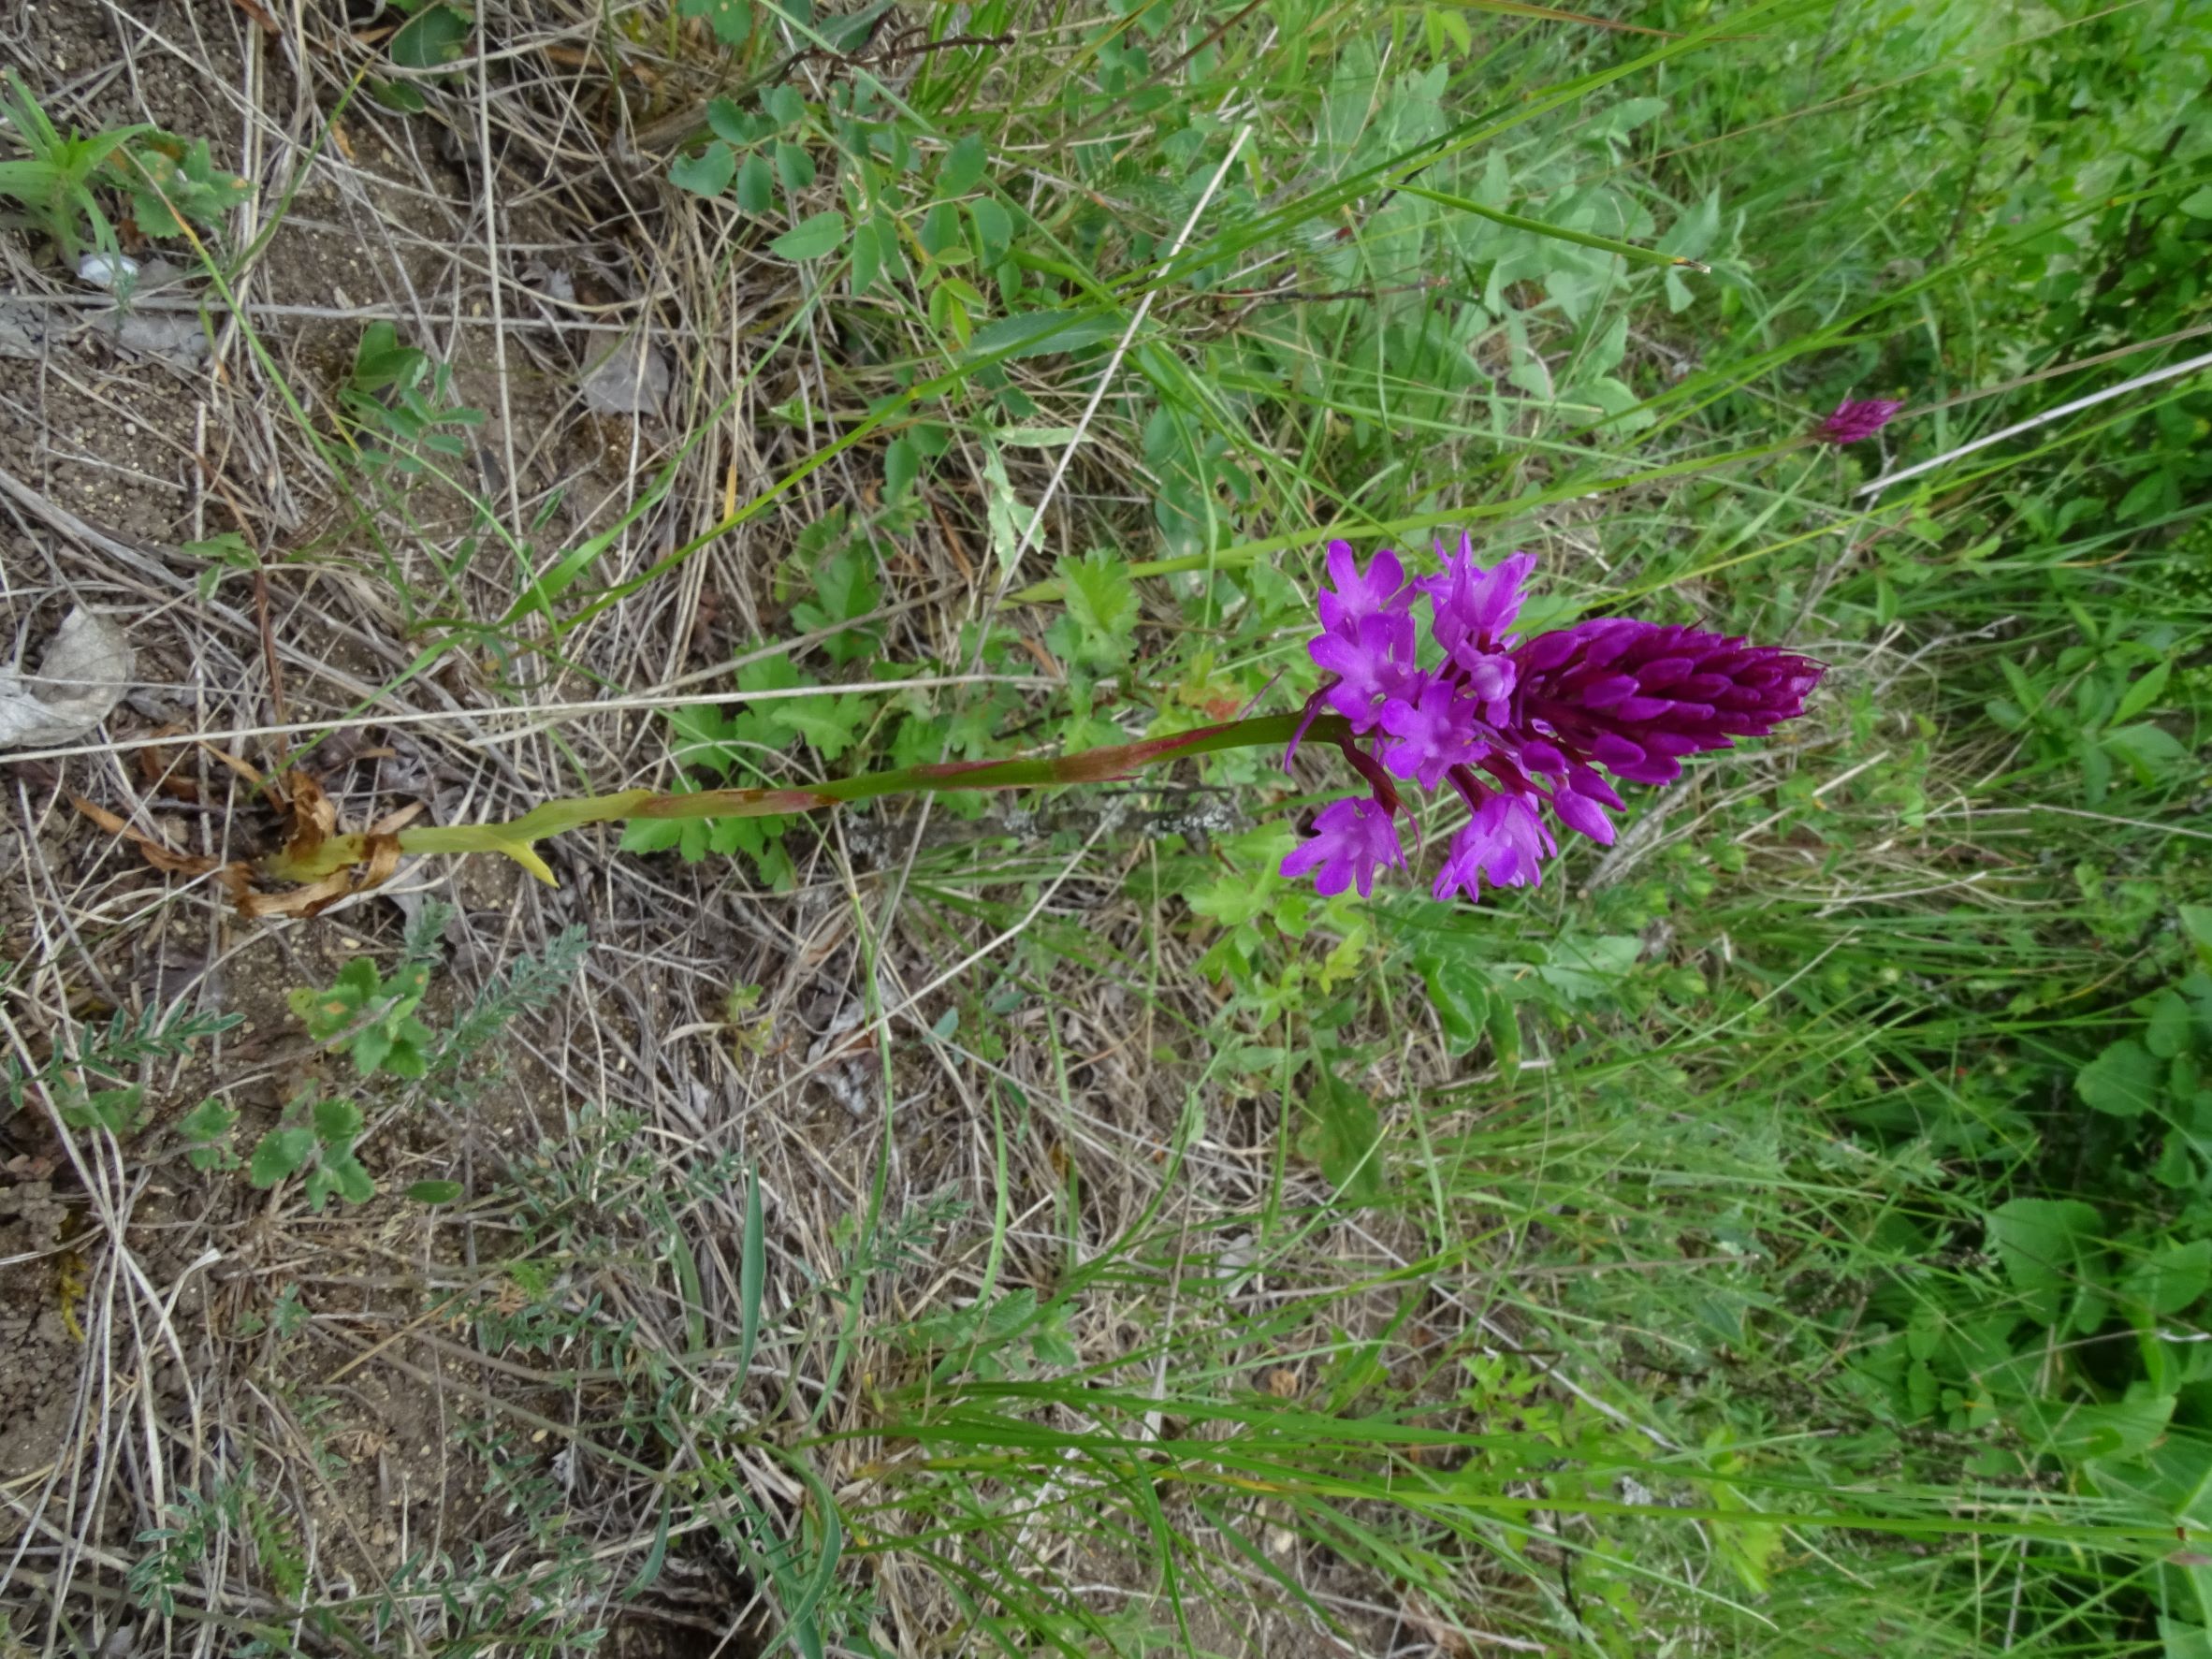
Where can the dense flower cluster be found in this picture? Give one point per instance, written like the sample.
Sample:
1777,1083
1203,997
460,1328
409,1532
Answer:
1516,727
1856,419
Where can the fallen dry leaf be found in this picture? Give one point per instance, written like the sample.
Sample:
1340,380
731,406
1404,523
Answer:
315,819
156,853
632,379
157,767
86,672
391,823
245,769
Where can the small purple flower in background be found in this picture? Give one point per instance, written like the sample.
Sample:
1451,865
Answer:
1856,419
1515,726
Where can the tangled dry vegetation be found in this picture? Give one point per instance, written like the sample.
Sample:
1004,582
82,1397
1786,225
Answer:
428,1422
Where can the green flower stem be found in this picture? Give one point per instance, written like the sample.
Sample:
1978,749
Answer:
1628,251
518,838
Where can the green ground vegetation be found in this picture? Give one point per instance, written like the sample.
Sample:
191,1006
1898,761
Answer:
1788,1231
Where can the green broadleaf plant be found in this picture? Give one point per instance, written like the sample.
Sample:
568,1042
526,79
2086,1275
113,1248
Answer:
371,1018
315,1142
169,182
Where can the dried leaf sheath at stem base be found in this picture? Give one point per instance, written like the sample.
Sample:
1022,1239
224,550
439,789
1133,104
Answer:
311,856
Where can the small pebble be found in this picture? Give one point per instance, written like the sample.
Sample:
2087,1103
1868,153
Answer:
105,271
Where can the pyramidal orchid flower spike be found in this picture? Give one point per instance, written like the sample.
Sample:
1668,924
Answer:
1855,420
1521,729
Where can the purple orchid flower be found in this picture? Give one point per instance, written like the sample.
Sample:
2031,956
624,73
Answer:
1380,591
1351,839
1373,663
1505,844
1516,726
1855,420
1431,720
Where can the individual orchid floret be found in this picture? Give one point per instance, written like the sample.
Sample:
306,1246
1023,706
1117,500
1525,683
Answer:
1470,601
1436,727
1855,420
1380,591
1505,844
1580,800
1474,612
1352,838
1372,664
